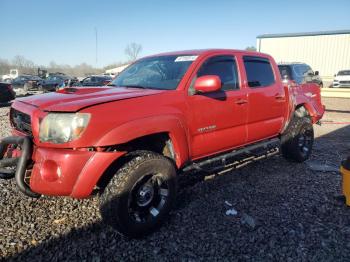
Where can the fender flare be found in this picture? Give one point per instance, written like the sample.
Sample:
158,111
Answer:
310,109
147,126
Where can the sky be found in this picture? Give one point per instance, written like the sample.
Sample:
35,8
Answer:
64,31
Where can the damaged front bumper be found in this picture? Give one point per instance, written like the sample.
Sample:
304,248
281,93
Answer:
52,171
17,166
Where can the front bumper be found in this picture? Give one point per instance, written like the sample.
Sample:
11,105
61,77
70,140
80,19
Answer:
340,85
62,172
19,162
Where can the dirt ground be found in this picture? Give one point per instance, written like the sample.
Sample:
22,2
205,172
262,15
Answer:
285,212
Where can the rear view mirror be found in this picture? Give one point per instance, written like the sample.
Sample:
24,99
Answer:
206,84
316,73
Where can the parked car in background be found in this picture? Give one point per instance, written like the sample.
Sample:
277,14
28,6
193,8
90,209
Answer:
25,83
112,75
6,92
100,80
55,82
9,77
342,79
301,73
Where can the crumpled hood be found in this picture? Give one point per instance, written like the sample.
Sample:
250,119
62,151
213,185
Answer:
75,98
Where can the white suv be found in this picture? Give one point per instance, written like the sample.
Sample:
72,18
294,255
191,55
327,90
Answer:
342,79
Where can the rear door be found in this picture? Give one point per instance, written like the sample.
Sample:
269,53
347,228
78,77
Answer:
218,119
266,99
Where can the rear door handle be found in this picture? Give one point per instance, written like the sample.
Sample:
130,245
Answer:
279,97
241,101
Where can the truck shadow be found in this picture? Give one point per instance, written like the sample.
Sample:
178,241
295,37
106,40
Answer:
96,242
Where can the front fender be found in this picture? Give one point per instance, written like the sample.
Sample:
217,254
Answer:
148,126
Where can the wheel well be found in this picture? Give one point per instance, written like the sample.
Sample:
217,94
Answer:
301,111
159,143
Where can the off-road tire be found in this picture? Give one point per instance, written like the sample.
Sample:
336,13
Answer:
300,129
116,197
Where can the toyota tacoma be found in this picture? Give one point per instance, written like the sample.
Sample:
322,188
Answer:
162,116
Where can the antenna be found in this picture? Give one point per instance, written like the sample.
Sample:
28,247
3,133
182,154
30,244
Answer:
96,44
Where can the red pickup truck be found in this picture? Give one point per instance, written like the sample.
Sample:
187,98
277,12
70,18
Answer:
163,115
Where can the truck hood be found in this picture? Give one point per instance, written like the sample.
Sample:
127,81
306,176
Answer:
76,98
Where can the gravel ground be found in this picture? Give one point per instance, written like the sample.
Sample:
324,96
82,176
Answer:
285,211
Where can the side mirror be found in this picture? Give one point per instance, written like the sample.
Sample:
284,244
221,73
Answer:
335,75
207,84
316,73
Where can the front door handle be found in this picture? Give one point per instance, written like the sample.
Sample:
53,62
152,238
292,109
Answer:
241,101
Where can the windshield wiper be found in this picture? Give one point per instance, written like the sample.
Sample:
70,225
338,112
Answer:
137,86
132,86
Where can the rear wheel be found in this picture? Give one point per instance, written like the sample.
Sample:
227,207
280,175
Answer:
140,194
297,143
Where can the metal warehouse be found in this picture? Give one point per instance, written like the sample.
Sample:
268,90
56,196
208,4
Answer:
326,52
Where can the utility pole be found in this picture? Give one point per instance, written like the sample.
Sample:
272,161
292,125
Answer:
96,44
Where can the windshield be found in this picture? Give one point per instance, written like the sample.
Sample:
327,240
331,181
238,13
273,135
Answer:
161,72
301,70
344,73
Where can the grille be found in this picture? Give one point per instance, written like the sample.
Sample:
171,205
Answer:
21,121
344,82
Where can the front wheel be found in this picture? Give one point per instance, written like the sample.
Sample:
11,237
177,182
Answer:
140,194
300,138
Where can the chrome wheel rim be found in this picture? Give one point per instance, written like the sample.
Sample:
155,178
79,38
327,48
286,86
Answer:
148,198
305,141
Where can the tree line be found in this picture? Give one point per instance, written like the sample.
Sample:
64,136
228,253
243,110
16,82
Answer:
26,66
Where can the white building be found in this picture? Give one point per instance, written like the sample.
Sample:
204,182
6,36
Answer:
326,52
117,70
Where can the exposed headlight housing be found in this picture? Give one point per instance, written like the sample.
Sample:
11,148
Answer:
59,128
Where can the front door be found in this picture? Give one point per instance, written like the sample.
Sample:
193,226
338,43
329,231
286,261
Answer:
218,120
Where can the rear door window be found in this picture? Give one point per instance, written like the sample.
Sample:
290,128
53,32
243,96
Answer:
259,71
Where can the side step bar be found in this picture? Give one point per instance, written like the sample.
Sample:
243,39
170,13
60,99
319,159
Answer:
218,162
19,162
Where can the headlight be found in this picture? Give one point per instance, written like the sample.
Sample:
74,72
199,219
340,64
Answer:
61,128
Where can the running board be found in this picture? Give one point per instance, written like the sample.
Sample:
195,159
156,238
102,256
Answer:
236,157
